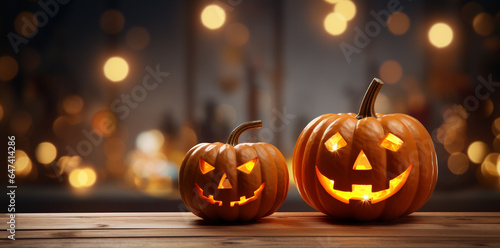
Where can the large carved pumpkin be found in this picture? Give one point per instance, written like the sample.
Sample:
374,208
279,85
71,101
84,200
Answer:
365,166
234,182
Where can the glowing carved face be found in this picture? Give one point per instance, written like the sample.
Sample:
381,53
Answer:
225,184
364,192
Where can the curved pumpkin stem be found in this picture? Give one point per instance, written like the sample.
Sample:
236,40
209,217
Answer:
367,108
235,134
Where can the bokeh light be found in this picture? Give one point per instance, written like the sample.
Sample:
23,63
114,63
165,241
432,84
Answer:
45,153
137,38
23,164
440,35
390,71
491,164
477,151
8,68
383,104
335,24
116,69
73,104
488,107
112,21
26,24
398,23
104,122
150,141
495,127
347,9
213,16
458,163
67,164
82,177
237,34
483,24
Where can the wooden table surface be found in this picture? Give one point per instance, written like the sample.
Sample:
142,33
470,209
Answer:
284,229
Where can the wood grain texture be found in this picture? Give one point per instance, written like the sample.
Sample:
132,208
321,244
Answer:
280,229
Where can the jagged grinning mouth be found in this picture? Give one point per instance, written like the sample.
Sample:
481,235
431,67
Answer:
364,192
243,199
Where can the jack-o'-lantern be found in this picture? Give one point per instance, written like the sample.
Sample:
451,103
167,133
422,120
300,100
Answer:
365,166
234,182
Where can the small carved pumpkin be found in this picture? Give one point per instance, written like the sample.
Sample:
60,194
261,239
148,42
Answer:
234,182
365,166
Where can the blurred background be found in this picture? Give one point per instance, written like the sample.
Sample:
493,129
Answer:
106,97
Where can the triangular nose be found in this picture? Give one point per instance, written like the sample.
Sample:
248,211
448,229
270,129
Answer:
362,162
224,183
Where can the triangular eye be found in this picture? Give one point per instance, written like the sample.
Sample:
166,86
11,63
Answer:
335,142
391,142
205,167
248,166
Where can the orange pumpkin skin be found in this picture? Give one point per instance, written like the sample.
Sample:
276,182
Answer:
267,182
363,133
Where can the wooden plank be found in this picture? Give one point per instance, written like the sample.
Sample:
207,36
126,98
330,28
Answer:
323,241
279,220
477,230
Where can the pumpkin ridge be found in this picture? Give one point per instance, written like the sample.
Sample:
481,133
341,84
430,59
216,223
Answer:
302,149
310,148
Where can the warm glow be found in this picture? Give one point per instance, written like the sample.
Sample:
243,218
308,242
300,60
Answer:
364,192
116,69
150,142
243,199
82,178
248,166
391,142
495,127
390,71
335,142
440,35
458,163
477,151
112,21
104,122
8,68
45,153
205,167
345,8
1,112
335,23
72,104
23,164
237,34
362,162
224,183
491,165
213,16
484,24
398,23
